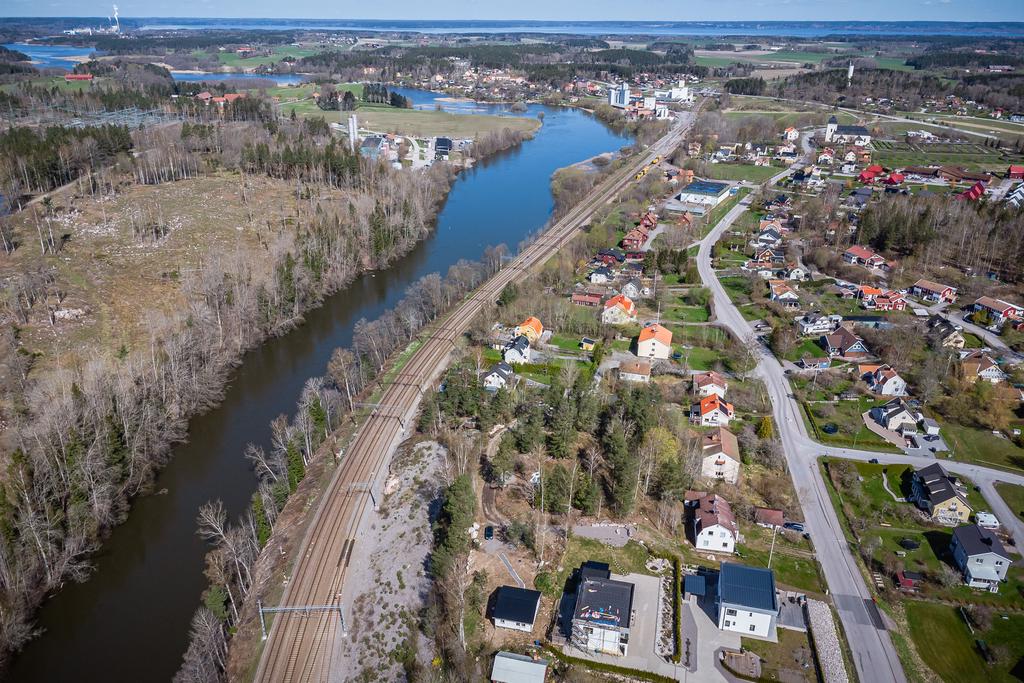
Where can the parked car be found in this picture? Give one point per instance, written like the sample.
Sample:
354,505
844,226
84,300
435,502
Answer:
793,526
873,461
488,533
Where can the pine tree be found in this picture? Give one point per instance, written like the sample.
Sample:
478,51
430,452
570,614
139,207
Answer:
766,430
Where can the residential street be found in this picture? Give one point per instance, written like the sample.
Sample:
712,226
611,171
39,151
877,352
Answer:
873,651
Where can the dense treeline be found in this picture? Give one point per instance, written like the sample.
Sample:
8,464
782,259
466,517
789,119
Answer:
175,40
745,86
943,231
944,59
89,438
909,88
34,160
10,55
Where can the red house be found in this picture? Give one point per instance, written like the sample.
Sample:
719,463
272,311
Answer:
908,581
635,239
976,192
894,179
1015,173
586,299
88,77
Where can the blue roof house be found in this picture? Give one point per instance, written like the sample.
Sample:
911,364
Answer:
746,600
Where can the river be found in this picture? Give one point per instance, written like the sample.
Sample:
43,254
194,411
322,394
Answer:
129,622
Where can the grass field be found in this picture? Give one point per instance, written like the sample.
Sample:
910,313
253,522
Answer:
948,647
419,123
846,415
755,174
277,54
57,82
984,448
1013,496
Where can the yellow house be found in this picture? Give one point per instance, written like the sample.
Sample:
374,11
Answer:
940,495
530,328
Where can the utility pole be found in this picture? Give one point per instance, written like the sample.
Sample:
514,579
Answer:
775,532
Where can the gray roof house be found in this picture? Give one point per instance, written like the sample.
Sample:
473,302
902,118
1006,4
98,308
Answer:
746,600
517,351
498,377
603,611
980,557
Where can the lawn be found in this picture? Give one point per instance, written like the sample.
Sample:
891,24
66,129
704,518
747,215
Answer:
982,447
1013,496
786,659
737,287
688,314
806,347
852,431
948,647
631,558
755,174
944,642
565,343
698,358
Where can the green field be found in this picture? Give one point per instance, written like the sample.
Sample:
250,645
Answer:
755,174
56,82
277,54
897,154
982,447
947,646
1013,496
852,431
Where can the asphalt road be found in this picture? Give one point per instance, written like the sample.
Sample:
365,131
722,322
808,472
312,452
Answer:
873,652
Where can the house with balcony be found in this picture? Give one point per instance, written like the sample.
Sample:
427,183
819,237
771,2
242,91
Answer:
941,496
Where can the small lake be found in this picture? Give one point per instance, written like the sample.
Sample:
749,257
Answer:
52,56
129,622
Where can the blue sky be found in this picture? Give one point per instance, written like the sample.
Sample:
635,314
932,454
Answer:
676,10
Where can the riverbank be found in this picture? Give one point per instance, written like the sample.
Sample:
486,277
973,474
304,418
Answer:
210,465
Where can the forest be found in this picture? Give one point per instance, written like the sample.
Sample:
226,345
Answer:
944,231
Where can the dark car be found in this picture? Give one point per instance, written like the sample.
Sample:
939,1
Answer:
873,461
488,533
793,526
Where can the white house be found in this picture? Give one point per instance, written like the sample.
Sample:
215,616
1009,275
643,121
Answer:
517,351
603,612
720,456
635,371
498,377
980,556
746,600
710,383
817,324
711,411
601,275
714,527
977,365
515,608
885,381
618,310
791,134
654,342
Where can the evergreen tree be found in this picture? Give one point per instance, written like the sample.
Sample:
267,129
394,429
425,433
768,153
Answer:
765,429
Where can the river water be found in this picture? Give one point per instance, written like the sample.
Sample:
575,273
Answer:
129,622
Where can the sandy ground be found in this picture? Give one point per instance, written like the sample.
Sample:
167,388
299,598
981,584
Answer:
385,589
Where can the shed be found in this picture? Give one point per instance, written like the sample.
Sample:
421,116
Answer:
512,668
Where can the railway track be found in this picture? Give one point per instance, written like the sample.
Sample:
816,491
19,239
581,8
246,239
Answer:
300,646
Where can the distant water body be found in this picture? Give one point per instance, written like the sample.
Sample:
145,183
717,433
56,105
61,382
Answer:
797,29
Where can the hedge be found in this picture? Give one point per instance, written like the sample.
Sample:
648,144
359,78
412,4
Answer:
607,668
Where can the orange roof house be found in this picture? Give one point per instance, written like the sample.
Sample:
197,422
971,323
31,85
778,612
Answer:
531,328
655,341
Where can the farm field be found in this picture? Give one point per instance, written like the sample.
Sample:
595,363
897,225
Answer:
896,154
277,54
755,174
